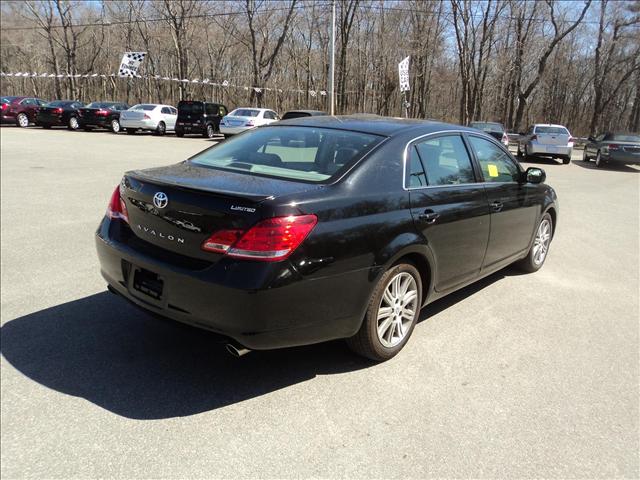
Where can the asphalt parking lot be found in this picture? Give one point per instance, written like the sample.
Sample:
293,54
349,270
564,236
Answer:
517,376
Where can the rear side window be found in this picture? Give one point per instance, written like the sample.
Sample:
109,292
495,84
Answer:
211,109
495,163
446,160
143,106
166,110
306,154
552,130
269,115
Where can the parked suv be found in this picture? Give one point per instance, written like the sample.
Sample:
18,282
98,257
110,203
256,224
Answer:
202,118
19,110
546,140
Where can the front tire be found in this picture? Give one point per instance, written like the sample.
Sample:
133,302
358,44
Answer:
391,315
22,120
209,131
540,248
115,126
566,160
599,161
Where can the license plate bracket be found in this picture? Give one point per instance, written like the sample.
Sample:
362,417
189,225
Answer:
148,283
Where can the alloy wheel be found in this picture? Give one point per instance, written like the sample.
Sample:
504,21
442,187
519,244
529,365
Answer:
115,126
73,123
210,131
541,242
397,310
23,120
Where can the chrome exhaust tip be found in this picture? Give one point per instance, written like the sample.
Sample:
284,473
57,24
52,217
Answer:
236,350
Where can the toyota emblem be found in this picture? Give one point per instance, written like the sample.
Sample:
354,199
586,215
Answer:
160,199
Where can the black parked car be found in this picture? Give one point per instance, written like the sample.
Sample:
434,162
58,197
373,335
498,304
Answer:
321,228
621,148
495,129
59,112
202,118
302,113
101,115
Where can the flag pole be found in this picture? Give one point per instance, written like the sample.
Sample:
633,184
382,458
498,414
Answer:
332,62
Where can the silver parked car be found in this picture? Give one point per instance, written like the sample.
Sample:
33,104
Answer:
546,140
149,116
622,148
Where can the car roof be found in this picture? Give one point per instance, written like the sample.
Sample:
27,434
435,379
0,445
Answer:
374,124
548,125
254,108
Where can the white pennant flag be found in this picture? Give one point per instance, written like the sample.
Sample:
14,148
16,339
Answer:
130,64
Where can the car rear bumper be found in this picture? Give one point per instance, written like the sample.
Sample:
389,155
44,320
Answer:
626,158
552,150
227,130
9,118
143,124
94,122
259,311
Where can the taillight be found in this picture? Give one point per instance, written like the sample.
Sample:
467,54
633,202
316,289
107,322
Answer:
613,146
534,137
57,110
250,123
4,106
102,113
270,240
117,208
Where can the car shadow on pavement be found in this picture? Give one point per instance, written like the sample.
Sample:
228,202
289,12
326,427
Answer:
618,167
128,362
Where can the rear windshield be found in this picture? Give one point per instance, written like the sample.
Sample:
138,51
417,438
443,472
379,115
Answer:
552,130
100,105
289,115
244,112
625,138
59,103
7,99
144,107
191,107
487,127
305,154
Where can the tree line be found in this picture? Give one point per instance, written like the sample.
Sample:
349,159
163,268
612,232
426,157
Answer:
516,62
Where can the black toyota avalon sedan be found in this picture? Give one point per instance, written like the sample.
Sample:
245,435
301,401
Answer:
322,228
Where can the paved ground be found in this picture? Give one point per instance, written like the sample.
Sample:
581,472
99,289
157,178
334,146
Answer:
518,376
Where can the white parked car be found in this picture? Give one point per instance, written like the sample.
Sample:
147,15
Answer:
546,140
242,119
149,116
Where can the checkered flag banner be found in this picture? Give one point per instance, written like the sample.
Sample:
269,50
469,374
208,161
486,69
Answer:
130,64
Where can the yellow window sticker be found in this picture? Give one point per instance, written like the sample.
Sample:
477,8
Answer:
493,170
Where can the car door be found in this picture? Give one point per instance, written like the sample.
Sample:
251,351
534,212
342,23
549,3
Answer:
514,204
449,207
168,118
29,106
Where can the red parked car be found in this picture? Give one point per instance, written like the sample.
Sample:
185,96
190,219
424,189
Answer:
19,110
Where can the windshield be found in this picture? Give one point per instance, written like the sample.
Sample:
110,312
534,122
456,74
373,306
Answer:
144,107
552,130
626,138
100,105
487,126
244,112
191,108
294,153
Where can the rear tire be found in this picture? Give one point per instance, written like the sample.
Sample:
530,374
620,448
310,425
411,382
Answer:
566,160
391,316
540,248
22,120
161,129
73,124
115,126
209,131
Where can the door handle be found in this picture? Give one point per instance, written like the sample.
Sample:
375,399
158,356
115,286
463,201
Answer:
429,216
496,206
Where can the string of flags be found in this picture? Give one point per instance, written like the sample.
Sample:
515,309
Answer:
130,73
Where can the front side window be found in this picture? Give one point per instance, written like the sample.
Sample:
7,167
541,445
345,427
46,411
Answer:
222,111
315,155
446,160
495,164
28,101
211,109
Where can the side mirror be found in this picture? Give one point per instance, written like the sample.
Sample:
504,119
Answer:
535,175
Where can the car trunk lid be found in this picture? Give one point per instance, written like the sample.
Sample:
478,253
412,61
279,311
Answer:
192,202
234,121
132,115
